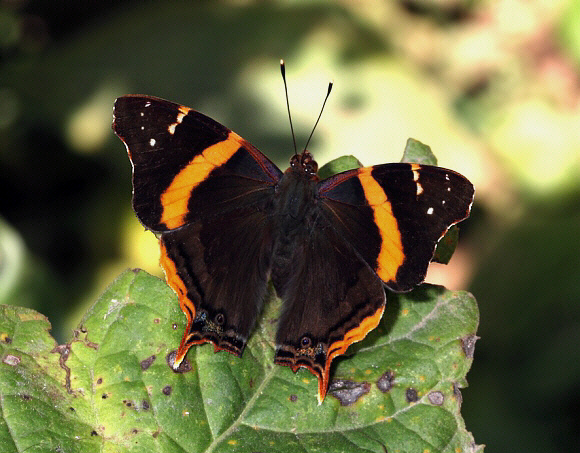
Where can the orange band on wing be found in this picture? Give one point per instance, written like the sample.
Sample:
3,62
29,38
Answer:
391,254
172,277
177,285
339,347
176,196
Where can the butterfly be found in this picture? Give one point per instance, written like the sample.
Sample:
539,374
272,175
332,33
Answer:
229,221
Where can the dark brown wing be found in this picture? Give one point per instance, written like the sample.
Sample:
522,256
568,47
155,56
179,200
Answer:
373,225
332,298
186,165
394,215
220,268
208,192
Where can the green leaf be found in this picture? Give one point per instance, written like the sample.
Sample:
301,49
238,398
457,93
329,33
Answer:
39,413
111,389
569,30
419,153
446,246
338,165
11,261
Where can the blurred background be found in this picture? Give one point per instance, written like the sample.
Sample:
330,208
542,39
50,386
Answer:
493,86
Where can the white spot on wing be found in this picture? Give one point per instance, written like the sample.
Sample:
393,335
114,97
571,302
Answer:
152,142
147,104
429,211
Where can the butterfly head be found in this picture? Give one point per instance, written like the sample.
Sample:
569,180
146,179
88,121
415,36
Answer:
304,164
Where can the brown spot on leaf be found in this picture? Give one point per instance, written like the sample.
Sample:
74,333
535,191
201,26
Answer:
128,403
183,367
411,395
293,398
457,393
468,345
157,320
348,392
167,390
64,351
145,405
146,363
105,396
6,339
26,397
92,345
94,433
155,434
99,381
436,398
386,381
11,360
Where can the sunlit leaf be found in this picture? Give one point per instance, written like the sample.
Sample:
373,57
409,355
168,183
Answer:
111,389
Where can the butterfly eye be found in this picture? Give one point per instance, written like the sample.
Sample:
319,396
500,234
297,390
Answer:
309,165
305,342
295,161
220,319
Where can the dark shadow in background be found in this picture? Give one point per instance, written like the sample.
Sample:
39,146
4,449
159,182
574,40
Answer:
69,206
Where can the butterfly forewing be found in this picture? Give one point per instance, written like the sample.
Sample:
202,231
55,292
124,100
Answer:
174,150
394,215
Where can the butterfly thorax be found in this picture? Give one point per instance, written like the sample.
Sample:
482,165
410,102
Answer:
296,193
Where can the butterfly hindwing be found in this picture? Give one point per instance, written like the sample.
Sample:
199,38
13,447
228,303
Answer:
332,298
220,266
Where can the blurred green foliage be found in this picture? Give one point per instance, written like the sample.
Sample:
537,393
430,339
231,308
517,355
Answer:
492,86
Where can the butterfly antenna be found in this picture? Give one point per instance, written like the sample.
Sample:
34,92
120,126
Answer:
283,71
320,114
